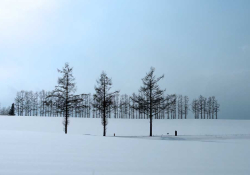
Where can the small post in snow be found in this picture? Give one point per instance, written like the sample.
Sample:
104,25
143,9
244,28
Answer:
114,134
175,133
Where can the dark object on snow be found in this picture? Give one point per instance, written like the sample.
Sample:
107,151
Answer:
175,133
12,110
114,134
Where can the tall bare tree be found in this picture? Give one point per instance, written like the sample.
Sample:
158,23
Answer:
64,92
150,96
103,98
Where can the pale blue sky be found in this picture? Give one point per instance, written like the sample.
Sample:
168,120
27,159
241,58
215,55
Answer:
202,47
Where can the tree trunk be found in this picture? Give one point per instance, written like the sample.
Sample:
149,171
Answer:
104,112
150,115
104,125
66,123
66,103
151,128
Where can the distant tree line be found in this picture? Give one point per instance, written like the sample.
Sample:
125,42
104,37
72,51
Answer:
29,103
7,110
150,102
205,108
4,110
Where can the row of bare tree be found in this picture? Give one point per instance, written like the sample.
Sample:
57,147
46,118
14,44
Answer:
149,103
29,103
205,108
4,110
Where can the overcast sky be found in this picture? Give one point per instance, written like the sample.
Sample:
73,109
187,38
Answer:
202,47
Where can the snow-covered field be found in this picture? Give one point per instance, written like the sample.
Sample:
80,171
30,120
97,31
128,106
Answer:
38,145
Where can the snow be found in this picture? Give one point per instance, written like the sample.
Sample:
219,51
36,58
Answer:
37,145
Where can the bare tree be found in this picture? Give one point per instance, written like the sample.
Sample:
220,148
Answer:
180,106
204,107
64,93
209,107
103,98
212,106
216,108
18,101
186,106
195,108
150,96
173,107
201,105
